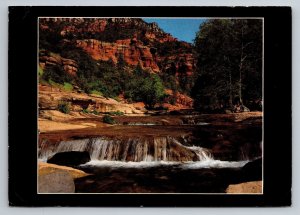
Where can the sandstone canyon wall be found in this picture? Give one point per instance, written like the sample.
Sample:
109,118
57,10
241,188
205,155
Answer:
110,39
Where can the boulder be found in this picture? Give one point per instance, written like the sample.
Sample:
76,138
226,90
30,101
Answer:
247,187
56,182
252,171
46,103
72,158
47,168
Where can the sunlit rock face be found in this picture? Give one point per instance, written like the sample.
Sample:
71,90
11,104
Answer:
133,53
137,47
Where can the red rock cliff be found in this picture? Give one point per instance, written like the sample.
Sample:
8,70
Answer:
134,53
136,41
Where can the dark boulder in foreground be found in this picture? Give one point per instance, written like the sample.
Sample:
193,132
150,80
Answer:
252,171
72,158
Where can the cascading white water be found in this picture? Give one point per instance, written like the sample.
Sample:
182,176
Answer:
136,150
202,153
47,150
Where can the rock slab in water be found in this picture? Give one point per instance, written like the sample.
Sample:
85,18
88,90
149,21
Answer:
71,158
56,182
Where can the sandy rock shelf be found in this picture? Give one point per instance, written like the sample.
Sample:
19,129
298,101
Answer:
48,125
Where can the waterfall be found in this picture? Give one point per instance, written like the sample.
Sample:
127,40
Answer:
130,149
202,153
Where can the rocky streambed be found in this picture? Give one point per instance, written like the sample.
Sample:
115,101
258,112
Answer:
164,153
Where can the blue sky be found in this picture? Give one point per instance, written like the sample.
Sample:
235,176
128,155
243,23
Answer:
182,29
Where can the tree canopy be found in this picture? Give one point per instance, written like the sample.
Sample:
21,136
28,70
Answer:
229,63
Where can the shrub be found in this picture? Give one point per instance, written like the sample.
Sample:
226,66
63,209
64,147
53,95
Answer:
117,113
117,98
85,111
68,86
145,87
40,72
108,119
57,74
64,107
95,112
53,83
96,93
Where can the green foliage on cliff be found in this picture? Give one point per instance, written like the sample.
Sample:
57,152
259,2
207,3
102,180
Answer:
68,86
50,38
40,71
172,48
116,113
56,74
96,92
143,86
108,119
64,107
113,33
229,63
108,79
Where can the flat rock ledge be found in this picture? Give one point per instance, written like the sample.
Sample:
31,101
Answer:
247,187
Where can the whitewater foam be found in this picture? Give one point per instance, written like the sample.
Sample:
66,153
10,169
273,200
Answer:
183,165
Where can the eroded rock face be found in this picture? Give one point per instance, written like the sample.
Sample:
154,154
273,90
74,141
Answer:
136,47
183,64
47,59
133,53
139,43
49,98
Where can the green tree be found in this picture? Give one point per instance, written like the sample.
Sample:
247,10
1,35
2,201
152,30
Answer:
152,91
142,86
57,74
229,54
